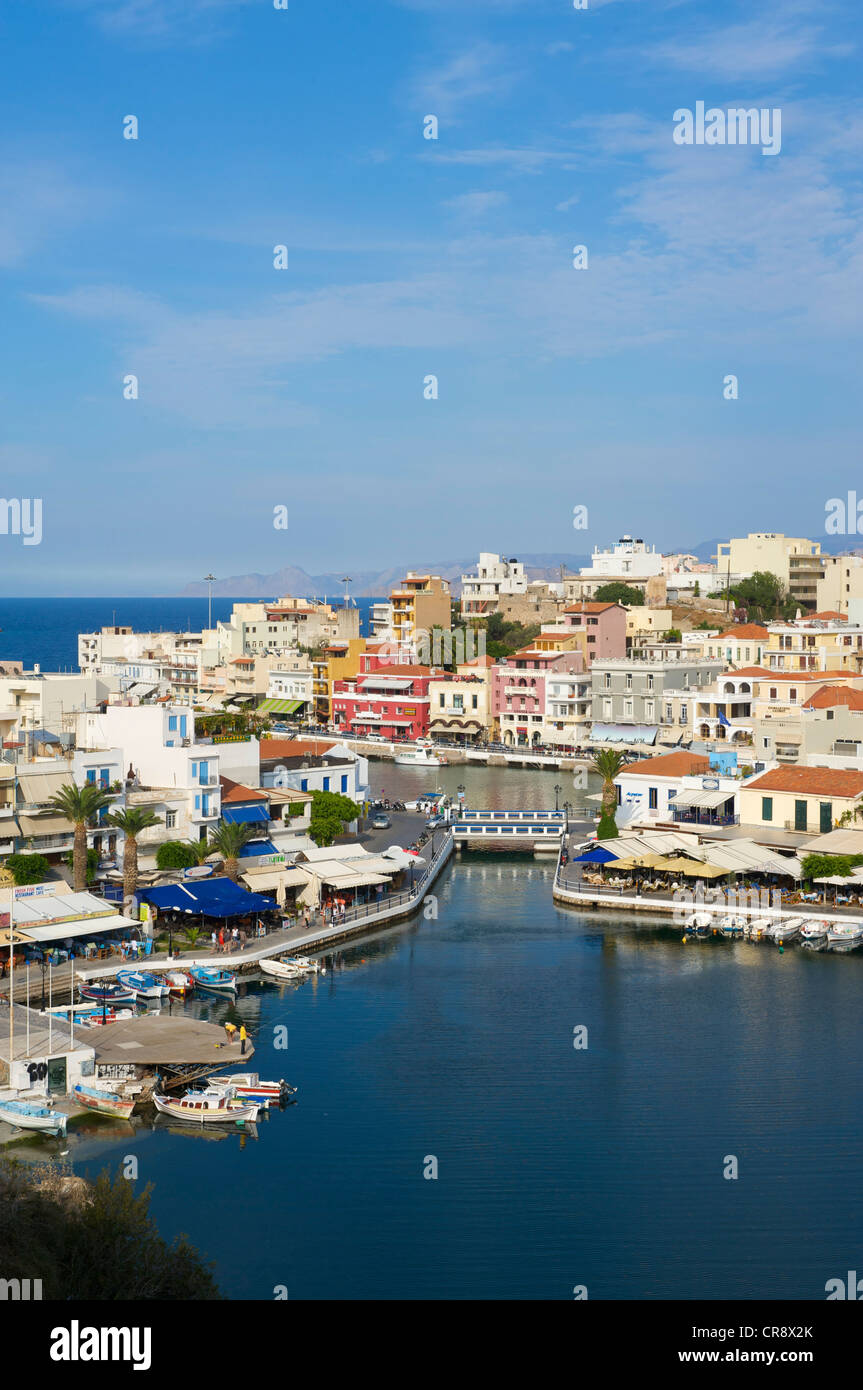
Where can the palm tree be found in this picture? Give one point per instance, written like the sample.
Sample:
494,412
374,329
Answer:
80,805
228,840
607,764
131,821
201,849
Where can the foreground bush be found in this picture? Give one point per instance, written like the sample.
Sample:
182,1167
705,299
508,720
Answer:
91,1240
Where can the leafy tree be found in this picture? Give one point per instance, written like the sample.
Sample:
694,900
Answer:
696,590
673,635
132,822
618,592
80,805
28,868
829,865
330,813
762,594
175,854
229,840
200,849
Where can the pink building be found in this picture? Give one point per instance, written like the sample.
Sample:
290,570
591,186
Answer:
389,700
604,625
518,692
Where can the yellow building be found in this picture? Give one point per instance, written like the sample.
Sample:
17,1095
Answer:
460,704
743,645
809,800
824,641
421,602
796,561
337,661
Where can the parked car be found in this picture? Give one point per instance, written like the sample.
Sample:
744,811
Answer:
375,738
381,823
434,822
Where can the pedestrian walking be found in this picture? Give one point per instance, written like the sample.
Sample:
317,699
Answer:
213,938
221,938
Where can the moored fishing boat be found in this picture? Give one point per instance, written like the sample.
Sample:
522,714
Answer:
732,926
699,923
759,928
30,1114
208,977
206,1109
106,992
845,934
228,1093
785,929
249,1084
106,1102
814,934
179,982
142,984
300,963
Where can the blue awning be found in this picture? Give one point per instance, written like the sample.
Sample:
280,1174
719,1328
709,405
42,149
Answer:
254,847
624,733
241,815
216,897
596,856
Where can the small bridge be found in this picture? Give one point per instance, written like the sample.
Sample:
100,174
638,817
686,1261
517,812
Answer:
515,831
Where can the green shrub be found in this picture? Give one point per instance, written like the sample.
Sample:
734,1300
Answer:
28,868
174,854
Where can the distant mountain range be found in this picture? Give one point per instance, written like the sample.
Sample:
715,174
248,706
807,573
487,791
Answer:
367,583
377,583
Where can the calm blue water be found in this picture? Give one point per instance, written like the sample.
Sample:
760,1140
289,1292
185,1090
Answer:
557,1167
45,630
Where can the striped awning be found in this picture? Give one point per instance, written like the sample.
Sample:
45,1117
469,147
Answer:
273,706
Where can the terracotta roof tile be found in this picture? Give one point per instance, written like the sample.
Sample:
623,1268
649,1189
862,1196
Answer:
830,695
742,631
812,781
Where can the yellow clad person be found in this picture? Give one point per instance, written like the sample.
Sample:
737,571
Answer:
243,1038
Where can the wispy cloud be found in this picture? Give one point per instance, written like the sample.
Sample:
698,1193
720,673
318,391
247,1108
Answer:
193,21
472,206
483,71
40,201
759,48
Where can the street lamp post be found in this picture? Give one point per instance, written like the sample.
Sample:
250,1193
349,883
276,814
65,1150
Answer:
557,790
460,790
210,580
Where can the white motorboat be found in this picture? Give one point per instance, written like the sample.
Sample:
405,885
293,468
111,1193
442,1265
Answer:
845,934
248,1085
759,929
699,923
785,929
814,934
31,1114
421,755
732,926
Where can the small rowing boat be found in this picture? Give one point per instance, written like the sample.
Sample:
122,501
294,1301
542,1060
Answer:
142,984
220,981
29,1114
204,1109
281,970
106,1102
90,1015
105,992
785,929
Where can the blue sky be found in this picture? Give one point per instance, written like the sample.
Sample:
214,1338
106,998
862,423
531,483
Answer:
410,257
